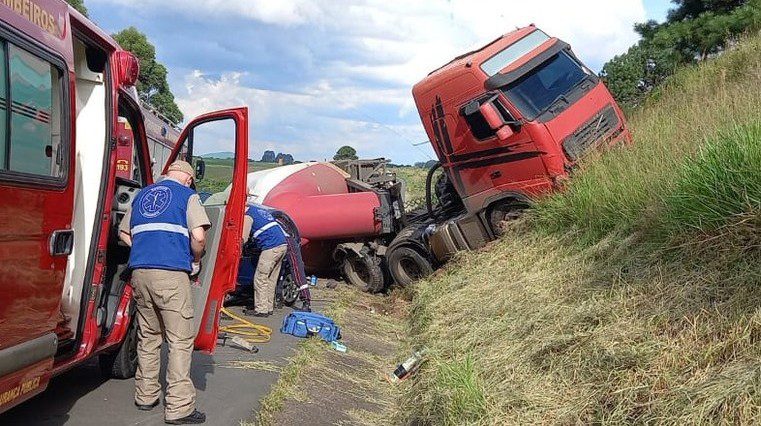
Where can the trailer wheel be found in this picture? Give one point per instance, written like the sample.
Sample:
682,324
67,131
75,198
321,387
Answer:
290,290
407,265
121,364
364,272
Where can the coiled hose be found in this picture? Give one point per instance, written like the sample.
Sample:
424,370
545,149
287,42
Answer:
253,333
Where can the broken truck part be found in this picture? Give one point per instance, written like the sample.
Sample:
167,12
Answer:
345,220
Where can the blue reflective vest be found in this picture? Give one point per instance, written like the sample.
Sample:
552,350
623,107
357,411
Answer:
159,228
266,233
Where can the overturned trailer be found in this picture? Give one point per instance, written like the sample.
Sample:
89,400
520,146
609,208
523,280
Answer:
346,220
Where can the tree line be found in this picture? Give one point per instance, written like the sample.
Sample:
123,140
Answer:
152,85
694,30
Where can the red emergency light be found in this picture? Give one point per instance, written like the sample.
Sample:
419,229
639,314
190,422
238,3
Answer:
128,68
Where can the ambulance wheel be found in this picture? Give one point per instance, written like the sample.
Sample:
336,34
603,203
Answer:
408,265
290,290
364,272
121,364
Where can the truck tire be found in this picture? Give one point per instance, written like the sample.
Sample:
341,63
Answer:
121,364
408,265
364,272
503,212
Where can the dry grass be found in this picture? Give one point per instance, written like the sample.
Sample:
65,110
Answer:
632,298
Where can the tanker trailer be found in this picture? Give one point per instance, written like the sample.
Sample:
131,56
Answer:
346,222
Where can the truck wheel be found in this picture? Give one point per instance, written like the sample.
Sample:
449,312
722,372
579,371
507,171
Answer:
290,290
121,364
407,265
364,272
501,214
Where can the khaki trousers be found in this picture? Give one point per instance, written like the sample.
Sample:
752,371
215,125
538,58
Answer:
265,278
164,307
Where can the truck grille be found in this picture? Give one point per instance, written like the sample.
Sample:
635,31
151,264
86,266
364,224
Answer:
590,133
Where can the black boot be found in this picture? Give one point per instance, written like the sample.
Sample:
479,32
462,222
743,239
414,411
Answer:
196,417
147,407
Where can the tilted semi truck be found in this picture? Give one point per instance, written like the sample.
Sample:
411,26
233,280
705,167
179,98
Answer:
68,104
508,123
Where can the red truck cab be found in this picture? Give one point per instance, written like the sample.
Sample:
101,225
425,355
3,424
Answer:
69,112
548,110
508,123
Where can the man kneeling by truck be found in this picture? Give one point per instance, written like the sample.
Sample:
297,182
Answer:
261,228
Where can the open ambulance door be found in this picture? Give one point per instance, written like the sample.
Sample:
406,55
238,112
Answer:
216,144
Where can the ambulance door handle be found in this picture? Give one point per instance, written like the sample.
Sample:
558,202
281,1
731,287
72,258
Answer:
61,242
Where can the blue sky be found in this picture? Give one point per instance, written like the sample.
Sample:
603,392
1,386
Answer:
321,74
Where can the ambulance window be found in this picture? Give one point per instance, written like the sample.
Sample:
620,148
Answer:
35,136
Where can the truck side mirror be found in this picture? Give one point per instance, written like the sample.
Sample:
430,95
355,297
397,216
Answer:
495,121
491,115
200,169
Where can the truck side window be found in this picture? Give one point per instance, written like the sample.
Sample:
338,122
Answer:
478,125
32,145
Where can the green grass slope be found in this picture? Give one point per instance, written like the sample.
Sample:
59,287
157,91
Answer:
634,296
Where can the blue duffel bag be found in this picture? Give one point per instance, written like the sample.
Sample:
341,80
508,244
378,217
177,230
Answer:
305,324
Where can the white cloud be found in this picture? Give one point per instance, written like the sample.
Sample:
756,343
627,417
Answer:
304,127
388,43
281,12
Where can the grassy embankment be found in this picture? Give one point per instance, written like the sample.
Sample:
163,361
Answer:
633,297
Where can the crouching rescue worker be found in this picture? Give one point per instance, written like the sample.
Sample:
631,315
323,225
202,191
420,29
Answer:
267,235
166,227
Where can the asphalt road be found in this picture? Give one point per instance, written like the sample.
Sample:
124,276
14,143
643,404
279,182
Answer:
227,395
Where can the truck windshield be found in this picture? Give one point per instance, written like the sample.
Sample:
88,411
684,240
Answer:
536,91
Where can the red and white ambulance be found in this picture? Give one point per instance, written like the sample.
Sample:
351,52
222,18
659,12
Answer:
67,99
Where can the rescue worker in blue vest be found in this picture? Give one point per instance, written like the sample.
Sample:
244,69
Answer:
267,235
166,227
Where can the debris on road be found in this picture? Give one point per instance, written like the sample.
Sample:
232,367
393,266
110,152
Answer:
340,347
408,367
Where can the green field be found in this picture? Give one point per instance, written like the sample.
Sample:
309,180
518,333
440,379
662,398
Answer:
219,173
633,297
414,179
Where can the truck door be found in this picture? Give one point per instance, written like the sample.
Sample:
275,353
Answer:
36,197
216,144
485,161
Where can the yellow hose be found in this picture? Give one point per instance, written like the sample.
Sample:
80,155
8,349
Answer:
254,333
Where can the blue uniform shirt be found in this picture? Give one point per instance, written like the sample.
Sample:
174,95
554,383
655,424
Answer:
266,233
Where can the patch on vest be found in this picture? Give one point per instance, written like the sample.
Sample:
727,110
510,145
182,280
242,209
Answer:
156,201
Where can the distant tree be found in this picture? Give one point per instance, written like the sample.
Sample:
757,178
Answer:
425,164
152,83
268,157
346,153
284,159
79,5
693,31
690,9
